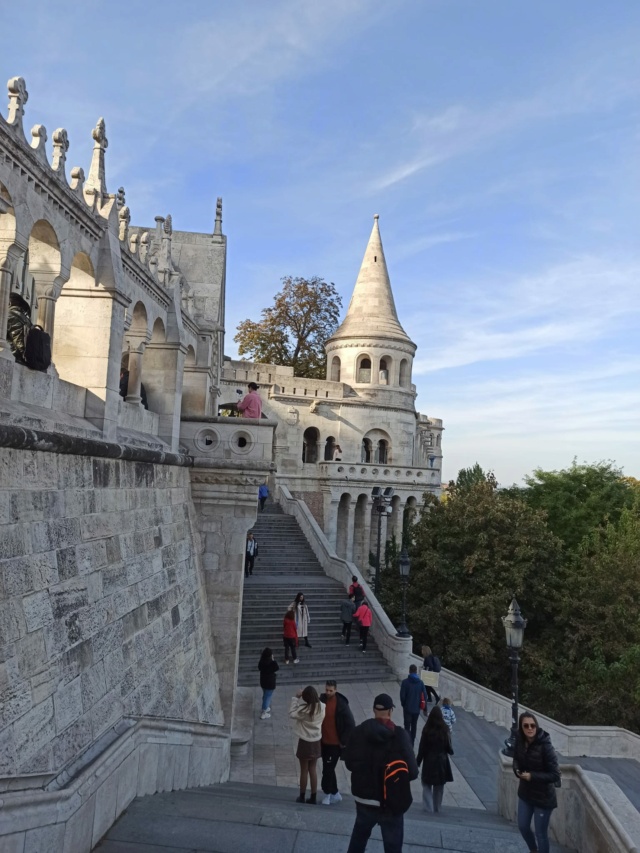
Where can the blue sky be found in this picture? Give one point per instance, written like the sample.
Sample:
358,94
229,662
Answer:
498,141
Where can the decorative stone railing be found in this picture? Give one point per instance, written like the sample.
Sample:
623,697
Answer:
593,814
377,472
228,440
396,650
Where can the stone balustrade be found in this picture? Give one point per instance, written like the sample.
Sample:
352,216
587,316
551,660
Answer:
377,472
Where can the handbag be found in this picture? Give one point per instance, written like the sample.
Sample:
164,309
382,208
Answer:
423,702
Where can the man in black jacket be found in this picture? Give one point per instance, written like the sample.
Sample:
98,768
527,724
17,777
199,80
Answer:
337,725
371,746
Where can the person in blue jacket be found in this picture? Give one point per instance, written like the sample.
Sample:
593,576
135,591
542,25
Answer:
263,494
412,690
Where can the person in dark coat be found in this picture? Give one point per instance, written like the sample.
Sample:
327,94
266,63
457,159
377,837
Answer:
337,725
18,326
268,668
368,750
535,763
412,690
433,753
347,609
432,664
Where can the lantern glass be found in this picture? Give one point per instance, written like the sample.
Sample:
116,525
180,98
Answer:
405,564
514,626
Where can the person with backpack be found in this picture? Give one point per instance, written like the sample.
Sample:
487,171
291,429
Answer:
432,664
377,753
268,667
433,753
356,590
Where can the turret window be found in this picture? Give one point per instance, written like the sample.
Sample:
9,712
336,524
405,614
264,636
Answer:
335,369
384,373
364,370
404,373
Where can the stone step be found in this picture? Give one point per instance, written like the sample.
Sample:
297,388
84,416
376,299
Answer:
237,818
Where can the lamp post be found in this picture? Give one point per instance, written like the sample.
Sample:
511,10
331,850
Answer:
405,568
514,626
381,504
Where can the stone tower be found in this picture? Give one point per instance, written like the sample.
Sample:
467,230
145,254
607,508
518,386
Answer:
370,350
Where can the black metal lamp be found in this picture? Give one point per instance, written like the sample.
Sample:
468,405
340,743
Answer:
514,625
405,568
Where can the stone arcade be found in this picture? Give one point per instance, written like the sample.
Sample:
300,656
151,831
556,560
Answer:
122,528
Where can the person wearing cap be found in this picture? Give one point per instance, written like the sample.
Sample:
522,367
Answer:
370,747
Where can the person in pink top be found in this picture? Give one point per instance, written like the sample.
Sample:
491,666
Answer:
365,617
251,405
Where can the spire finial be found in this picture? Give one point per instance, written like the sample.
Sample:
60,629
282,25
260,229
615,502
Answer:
218,226
376,216
96,181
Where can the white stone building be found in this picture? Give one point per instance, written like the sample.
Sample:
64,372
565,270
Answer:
366,405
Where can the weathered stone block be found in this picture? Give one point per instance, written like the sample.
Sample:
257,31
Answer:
69,597
30,653
33,731
37,610
79,828
45,839
35,506
67,701
105,808
148,769
14,541
127,781
52,535
106,712
94,685
72,741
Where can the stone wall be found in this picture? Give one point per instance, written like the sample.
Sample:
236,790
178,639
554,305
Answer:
102,610
315,502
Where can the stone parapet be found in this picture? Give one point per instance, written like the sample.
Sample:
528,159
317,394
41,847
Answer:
593,814
149,756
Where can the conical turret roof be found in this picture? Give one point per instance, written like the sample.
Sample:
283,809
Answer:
372,311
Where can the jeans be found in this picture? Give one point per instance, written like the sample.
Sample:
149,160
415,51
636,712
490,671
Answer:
411,724
248,565
346,631
266,698
432,797
364,633
391,826
330,758
262,503
541,818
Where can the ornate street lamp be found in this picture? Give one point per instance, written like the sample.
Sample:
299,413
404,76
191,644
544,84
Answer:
405,568
514,625
381,504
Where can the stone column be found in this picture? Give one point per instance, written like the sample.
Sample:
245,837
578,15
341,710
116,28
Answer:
350,530
10,254
163,371
135,375
226,508
331,519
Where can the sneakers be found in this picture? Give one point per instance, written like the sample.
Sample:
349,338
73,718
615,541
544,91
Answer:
364,651
287,661
265,715
336,798
326,801
297,660
268,711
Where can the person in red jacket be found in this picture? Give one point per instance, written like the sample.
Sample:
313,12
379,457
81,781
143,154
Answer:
290,636
365,617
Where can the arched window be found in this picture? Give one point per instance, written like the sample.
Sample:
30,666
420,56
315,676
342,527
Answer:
329,447
363,374
404,373
366,450
335,369
376,446
381,452
384,371
310,445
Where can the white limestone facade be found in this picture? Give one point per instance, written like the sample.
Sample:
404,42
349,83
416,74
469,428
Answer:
366,405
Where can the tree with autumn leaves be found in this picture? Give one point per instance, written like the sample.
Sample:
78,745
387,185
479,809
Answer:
294,330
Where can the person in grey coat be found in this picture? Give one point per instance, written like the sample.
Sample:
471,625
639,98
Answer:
347,609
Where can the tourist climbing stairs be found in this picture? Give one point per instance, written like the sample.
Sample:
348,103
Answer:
285,566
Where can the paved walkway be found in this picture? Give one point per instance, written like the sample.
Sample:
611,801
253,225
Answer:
271,754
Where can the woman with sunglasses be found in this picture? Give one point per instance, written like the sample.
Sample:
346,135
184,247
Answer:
535,763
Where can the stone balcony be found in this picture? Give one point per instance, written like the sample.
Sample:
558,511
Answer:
221,441
402,476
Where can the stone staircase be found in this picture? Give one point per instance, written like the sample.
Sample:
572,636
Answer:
242,818
287,565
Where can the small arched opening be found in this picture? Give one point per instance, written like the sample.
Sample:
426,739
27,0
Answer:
367,450
361,533
378,445
310,440
404,373
384,372
329,448
335,369
363,369
342,535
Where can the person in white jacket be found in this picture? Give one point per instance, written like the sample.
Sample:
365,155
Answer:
307,713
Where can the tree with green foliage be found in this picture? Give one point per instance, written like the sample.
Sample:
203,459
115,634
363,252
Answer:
294,330
468,477
578,499
469,556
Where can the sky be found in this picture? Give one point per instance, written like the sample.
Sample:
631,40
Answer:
498,141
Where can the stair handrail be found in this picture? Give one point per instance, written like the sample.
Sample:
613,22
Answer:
395,650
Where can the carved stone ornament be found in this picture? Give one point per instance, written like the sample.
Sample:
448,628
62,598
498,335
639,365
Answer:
77,179
293,416
124,218
120,199
18,97
60,148
144,246
99,134
168,225
134,243
39,141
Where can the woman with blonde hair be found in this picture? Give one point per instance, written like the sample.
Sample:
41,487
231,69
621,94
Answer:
307,712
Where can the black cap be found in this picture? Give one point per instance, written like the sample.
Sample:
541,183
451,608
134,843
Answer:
383,702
